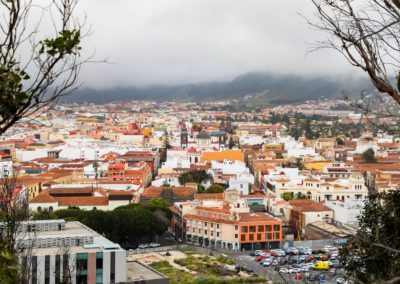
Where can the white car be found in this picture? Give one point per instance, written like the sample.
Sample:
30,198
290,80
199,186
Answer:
334,256
143,246
280,252
304,269
340,281
307,251
266,263
283,270
258,252
154,245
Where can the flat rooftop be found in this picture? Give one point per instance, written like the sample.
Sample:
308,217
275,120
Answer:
136,271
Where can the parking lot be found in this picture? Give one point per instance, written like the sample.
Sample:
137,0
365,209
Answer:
295,265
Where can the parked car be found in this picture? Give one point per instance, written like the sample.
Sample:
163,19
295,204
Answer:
259,258
258,252
340,280
304,269
312,277
294,270
273,253
130,246
310,258
328,249
280,252
335,264
332,272
334,256
266,262
298,276
143,246
284,270
154,245
307,251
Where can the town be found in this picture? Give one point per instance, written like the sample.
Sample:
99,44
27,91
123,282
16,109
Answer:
127,192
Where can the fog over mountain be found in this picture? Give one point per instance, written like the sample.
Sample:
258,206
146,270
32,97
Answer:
273,89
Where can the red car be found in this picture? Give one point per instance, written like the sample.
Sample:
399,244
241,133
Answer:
298,276
310,258
259,258
273,253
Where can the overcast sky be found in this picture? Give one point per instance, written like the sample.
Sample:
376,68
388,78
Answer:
188,41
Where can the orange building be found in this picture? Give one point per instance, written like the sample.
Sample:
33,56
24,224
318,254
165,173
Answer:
225,223
259,230
231,155
140,174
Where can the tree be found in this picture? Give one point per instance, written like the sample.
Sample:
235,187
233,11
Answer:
373,253
366,33
197,176
369,156
30,83
287,196
215,188
8,265
300,195
158,202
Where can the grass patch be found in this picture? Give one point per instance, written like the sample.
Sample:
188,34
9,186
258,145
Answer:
175,276
213,270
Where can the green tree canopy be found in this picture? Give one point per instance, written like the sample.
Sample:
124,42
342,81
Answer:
369,156
158,202
287,196
373,254
198,176
215,188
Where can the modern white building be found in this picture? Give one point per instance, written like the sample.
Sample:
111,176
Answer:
70,250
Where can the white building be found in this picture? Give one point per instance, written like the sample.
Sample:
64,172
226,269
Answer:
242,183
346,212
61,248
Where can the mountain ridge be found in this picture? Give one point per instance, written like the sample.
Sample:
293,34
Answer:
274,88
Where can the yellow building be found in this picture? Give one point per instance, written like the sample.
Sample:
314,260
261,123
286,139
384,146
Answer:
273,147
316,165
35,184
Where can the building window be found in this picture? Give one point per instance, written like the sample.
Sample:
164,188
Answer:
212,225
252,229
244,229
218,227
268,228
217,234
277,227
81,267
236,236
99,267
251,237
261,228
205,232
258,237
243,238
236,227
